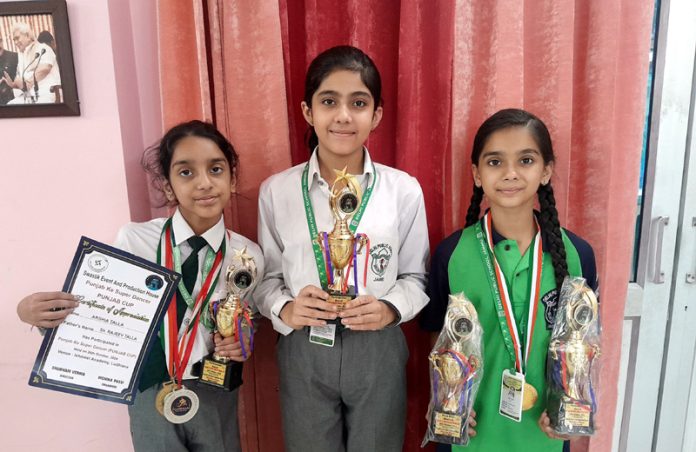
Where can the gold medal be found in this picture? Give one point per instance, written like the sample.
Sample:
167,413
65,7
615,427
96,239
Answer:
530,396
159,399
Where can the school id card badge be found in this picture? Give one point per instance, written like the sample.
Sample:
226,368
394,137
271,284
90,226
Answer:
511,395
323,335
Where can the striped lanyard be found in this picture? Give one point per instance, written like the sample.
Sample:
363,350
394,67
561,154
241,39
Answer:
501,296
178,349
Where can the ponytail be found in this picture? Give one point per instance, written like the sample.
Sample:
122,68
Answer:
551,232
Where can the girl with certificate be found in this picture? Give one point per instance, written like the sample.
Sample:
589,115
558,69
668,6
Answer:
194,165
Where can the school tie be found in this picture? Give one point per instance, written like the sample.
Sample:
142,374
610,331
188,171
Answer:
189,272
189,269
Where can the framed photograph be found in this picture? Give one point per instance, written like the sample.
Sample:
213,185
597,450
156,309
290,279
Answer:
37,75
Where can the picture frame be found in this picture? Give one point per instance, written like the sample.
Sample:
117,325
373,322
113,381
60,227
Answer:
37,73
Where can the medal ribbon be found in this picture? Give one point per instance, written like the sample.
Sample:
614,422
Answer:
180,348
323,262
501,297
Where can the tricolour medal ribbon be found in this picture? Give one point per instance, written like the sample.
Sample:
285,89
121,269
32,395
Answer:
322,262
501,296
177,346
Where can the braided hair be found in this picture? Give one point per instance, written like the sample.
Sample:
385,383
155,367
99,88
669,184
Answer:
548,217
338,58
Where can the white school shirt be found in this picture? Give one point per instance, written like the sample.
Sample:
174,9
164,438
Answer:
142,240
394,220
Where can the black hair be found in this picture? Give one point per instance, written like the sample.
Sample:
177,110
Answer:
45,37
548,216
335,59
157,159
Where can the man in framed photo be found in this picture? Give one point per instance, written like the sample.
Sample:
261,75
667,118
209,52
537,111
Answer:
8,65
37,68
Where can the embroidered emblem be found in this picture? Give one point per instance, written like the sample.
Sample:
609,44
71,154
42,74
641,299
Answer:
550,301
380,254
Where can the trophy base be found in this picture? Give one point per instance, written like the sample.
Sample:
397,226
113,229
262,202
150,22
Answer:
226,376
449,428
340,299
570,417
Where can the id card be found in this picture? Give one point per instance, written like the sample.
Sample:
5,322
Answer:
511,395
323,335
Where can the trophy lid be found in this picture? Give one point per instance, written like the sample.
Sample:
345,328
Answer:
241,273
345,195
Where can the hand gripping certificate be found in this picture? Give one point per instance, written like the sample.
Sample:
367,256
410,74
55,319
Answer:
99,350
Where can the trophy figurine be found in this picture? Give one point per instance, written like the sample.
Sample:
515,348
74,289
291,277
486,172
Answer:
232,318
572,361
456,369
341,246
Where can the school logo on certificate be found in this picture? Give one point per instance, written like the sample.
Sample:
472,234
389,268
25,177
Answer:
98,263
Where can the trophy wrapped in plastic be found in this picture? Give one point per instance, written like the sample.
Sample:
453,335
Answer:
456,369
572,367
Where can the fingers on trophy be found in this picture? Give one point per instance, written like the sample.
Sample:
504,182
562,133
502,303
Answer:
573,360
232,317
456,369
341,246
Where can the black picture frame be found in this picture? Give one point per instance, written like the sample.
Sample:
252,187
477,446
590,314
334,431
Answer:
66,99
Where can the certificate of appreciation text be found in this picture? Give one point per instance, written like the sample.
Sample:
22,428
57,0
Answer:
100,349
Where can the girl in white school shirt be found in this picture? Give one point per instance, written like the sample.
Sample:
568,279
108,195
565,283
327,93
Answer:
351,395
195,166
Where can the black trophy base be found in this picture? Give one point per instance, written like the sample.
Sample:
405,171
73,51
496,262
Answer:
226,376
340,299
570,417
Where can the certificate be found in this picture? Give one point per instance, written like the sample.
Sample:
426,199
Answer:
100,348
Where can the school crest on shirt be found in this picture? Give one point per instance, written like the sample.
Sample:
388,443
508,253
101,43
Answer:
380,255
550,302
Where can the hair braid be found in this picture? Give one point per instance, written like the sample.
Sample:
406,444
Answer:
472,215
551,232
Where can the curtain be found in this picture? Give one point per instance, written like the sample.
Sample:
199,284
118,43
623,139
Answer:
580,66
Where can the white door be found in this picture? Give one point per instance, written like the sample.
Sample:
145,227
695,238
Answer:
656,405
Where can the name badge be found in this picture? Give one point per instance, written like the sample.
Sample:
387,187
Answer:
323,335
511,395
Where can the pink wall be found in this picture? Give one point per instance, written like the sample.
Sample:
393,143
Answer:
69,177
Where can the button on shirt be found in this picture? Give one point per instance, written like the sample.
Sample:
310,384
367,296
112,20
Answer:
142,240
394,220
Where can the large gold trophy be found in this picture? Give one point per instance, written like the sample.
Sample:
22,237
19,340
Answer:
232,318
572,362
456,369
341,246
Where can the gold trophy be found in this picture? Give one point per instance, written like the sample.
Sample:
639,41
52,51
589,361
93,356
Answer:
573,351
232,318
455,372
344,198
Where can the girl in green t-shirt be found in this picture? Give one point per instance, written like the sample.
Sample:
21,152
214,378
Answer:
512,255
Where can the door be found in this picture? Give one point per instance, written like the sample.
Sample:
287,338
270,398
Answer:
656,400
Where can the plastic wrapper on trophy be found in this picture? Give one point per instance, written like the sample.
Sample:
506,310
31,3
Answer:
572,367
456,369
